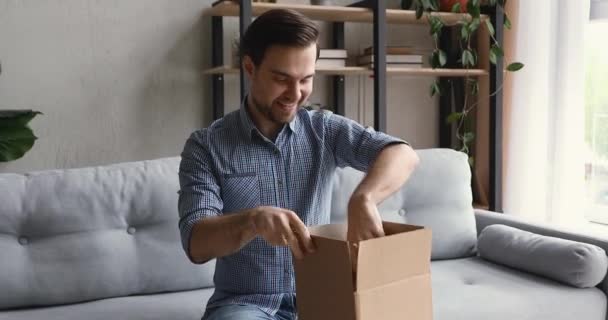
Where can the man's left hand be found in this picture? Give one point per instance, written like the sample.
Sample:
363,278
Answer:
364,220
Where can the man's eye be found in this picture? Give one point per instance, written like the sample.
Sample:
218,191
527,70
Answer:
281,80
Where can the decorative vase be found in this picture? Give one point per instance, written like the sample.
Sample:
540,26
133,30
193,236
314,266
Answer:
446,5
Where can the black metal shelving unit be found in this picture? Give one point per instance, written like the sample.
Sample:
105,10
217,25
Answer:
379,74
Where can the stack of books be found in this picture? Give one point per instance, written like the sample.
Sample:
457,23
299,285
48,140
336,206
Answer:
332,58
403,57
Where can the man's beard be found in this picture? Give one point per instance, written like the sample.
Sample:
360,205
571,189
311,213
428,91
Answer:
266,111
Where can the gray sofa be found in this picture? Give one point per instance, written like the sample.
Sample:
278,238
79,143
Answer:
103,243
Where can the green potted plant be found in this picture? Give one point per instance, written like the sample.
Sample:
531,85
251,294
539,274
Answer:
16,137
467,55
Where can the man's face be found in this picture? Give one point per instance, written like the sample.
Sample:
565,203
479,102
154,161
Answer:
282,82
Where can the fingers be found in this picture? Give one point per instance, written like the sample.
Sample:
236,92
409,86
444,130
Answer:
301,232
364,222
356,234
282,227
295,248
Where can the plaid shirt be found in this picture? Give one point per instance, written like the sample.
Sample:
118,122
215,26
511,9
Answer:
231,166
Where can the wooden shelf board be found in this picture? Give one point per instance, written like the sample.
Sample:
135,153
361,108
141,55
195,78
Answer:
366,71
334,13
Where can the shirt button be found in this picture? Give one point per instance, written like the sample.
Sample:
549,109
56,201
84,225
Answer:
280,182
23,241
276,151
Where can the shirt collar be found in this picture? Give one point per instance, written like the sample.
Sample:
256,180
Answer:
249,127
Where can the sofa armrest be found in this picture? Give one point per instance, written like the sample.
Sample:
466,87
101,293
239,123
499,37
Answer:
485,218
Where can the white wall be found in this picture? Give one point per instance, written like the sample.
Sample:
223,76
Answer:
120,80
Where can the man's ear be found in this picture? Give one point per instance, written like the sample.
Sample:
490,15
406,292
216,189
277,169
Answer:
249,66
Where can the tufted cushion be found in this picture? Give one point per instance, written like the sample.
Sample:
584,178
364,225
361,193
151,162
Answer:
578,264
81,234
437,195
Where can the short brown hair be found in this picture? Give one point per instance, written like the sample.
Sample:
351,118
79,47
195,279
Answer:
283,27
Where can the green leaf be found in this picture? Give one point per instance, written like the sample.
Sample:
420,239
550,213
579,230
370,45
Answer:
464,32
467,58
16,117
507,22
426,4
435,88
435,60
492,57
497,50
16,138
436,37
492,2
453,117
475,2
475,88
474,25
468,137
436,25
515,66
456,7
495,53
490,27
443,58
473,9
15,141
434,5
419,12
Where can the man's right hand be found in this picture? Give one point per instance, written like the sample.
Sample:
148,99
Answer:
282,227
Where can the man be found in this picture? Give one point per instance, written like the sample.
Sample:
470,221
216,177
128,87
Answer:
253,180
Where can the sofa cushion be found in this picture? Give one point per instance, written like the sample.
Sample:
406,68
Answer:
437,195
184,305
575,263
82,234
475,289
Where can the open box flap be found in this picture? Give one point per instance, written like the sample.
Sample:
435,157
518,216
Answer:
323,278
404,252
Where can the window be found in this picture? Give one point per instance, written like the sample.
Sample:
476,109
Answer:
596,119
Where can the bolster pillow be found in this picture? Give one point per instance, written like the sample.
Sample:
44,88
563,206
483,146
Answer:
574,263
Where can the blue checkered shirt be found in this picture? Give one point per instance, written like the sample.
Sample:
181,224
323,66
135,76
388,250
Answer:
231,166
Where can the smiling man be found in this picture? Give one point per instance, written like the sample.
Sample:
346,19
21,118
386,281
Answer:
254,180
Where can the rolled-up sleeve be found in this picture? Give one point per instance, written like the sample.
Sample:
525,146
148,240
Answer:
354,145
199,194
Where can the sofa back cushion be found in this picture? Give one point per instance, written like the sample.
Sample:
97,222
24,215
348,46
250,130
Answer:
82,234
437,195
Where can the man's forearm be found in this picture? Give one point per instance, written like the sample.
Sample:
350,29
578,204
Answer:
220,236
390,170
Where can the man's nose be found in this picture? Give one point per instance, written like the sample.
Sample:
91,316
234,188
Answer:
294,93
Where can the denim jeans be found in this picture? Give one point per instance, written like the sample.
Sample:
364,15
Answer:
287,311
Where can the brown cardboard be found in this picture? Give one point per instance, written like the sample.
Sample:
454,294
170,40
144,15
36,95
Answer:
392,280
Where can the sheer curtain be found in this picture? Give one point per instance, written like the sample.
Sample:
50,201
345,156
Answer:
544,111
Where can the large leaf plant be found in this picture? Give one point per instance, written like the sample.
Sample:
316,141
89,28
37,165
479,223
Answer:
16,137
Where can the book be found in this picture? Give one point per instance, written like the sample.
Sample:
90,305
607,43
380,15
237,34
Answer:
394,50
392,58
330,63
397,65
333,53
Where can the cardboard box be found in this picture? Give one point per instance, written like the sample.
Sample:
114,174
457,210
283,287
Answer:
391,278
